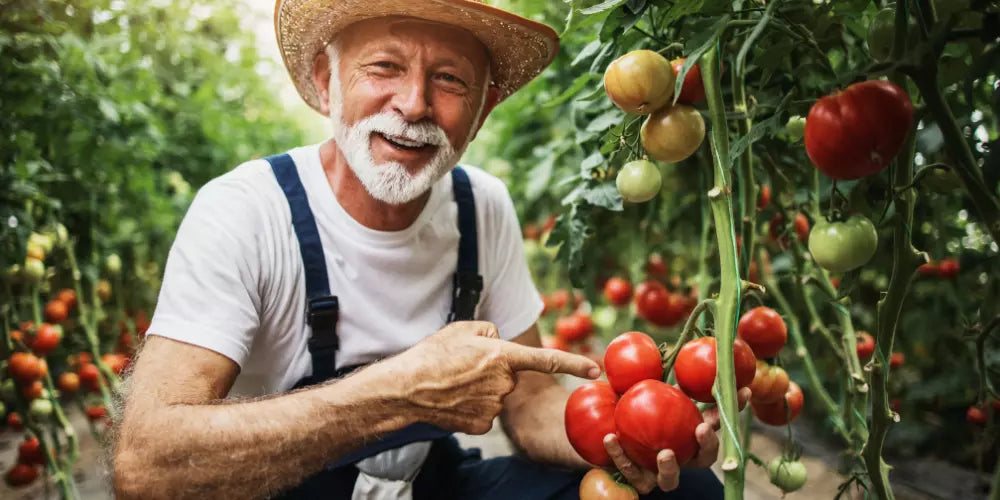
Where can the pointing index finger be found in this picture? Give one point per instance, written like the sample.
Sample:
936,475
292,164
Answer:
521,357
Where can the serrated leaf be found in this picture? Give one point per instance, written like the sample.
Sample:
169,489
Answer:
605,121
589,50
591,161
604,195
601,7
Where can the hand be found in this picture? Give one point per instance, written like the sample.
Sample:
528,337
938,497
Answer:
669,473
458,377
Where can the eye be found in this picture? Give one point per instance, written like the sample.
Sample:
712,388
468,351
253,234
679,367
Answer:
384,65
451,81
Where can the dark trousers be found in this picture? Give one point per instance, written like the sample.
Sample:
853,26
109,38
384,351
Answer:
453,473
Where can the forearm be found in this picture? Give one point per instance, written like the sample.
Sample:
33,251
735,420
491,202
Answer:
245,449
535,422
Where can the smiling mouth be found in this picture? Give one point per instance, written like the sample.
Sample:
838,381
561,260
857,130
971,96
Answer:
403,144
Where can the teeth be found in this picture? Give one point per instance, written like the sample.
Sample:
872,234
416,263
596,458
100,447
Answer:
405,142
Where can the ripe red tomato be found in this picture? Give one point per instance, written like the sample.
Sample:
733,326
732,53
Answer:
24,367
89,376
777,227
928,269
630,358
769,384
574,328
115,362
948,268
29,452
21,475
896,360
560,298
654,416
68,383
531,231
56,311
866,345
546,305
618,291
590,415
655,266
858,132
14,421
765,331
775,413
695,367
975,415
67,296
692,90
765,197
34,390
96,412
655,304
597,484
46,339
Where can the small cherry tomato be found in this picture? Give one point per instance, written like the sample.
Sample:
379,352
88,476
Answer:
896,360
865,345
975,415
30,452
21,475
56,311
618,291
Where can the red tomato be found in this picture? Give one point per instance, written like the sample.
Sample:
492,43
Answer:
775,413
550,223
17,336
115,362
33,390
96,412
21,475
572,328
597,484
632,357
546,304
30,452
68,383
654,416
858,132
975,415
655,266
996,405
67,296
866,345
655,304
14,421
765,197
24,367
835,282
765,331
896,360
769,384
777,227
560,298
590,415
141,320
695,367
531,231
692,90
56,311
618,291
948,268
928,269
79,359
89,376
46,339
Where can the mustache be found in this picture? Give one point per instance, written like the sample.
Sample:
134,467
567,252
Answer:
392,125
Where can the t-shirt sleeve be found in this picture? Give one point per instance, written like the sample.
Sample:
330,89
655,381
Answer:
510,300
209,296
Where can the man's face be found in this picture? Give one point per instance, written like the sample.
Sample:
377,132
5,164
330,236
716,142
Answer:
405,98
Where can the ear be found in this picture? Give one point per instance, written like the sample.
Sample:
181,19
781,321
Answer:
321,81
492,99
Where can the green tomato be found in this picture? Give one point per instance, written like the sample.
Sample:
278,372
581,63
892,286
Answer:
41,409
842,246
8,391
113,264
43,240
34,270
639,181
604,317
796,127
3,408
789,475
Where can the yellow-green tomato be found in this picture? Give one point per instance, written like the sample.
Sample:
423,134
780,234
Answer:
789,475
842,246
796,127
639,181
34,270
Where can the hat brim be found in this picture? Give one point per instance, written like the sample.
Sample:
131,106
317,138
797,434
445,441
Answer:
520,48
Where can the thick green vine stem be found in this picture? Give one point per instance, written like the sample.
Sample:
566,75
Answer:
727,306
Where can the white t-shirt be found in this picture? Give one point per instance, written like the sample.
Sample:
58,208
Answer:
234,280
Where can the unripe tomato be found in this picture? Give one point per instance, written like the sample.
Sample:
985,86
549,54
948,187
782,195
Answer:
673,133
842,246
865,345
590,415
34,270
692,90
789,475
639,181
68,383
113,264
654,303
764,199
8,390
948,268
769,384
68,297
14,421
46,339
96,412
639,82
975,415
896,360
118,362
24,367
858,132
695,367
29,452
764,330
795,127
33,390
597,484
775,413
40,410
655,266
654,416
56,311
618,291
104,290
630,358
21,475
36,251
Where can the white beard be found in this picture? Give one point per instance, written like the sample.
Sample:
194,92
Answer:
389,182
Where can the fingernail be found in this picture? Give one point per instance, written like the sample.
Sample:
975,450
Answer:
594,372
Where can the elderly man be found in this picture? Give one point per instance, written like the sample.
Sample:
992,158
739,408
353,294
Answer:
351,272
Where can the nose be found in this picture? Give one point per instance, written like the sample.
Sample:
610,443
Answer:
412,101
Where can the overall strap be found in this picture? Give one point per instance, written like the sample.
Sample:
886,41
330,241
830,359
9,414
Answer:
467,283
322,308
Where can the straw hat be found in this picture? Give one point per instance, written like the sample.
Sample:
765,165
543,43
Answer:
520,48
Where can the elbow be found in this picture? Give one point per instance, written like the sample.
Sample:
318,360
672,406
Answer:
129,475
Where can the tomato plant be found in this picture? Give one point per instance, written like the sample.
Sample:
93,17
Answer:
653,416
590,415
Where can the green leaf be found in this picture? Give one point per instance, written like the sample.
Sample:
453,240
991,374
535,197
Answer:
108,110
695,55
539,177
589,50
570,234
604,195
770,126
594,160
578,85
601,7
681,9
605,120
